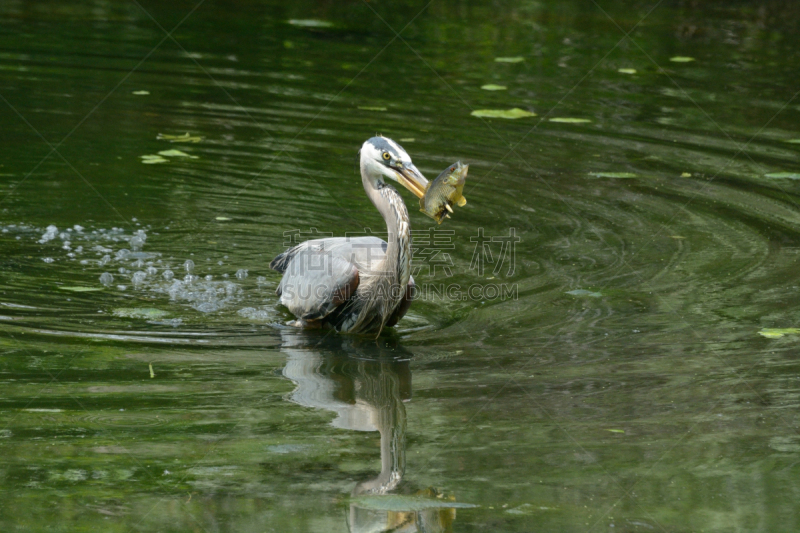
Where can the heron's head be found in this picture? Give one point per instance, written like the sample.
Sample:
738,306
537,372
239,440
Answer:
383,158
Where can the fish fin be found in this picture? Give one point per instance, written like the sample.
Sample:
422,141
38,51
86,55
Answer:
428,214
462,202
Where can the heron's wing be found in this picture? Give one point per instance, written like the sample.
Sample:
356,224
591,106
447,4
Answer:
364,252
321,274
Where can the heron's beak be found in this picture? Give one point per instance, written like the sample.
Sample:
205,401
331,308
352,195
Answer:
411,178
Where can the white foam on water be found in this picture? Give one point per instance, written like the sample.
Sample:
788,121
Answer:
120,251
259,315
201,295
49,234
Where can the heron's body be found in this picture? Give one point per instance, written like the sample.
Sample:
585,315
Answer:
357,284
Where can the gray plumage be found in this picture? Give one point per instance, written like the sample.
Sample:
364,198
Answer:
357,284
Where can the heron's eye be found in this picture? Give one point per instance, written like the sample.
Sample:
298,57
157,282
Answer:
452,169
386,156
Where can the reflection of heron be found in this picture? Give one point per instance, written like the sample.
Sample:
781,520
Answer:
365,383
358,284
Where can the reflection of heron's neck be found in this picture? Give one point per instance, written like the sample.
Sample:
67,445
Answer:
391,423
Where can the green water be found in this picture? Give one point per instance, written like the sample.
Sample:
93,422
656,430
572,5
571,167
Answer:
608,375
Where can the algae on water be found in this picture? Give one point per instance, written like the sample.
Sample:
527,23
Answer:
185,138
777,333
569,120
502,113
175,153
615,175
310,23
152,159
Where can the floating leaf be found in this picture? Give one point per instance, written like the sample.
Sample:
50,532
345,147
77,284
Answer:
509,59
616,430
686,175
153,159
400,503
569,120
777,333
149,313
408,140
681,59
627,70
493,87
152,374
502,113
584,292
222,218
794,141
176,153
140,93
310,23
677,237
618,175
372,108
185,138
81,289
783,175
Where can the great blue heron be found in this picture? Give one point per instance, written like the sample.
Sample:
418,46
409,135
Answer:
358,284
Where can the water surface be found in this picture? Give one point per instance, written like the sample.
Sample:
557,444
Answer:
616,377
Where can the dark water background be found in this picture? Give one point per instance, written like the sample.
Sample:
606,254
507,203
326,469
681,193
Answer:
628,380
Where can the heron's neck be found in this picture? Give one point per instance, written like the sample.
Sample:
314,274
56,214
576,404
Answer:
397,261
